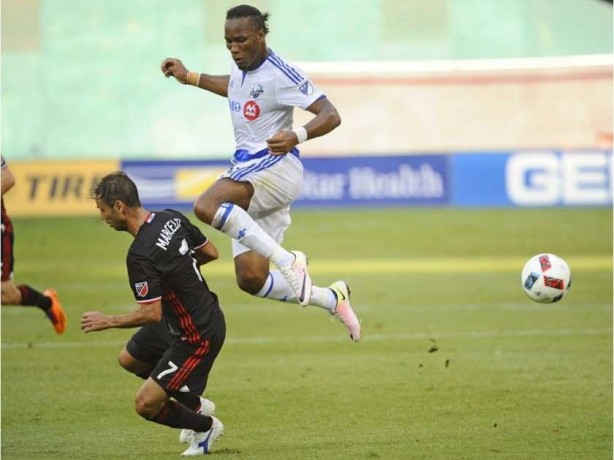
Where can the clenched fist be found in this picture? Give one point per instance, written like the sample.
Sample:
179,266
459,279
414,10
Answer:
172,67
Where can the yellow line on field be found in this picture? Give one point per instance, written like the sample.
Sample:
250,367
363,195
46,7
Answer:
428,265
389,266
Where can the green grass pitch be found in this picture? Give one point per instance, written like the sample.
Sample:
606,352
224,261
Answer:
456,362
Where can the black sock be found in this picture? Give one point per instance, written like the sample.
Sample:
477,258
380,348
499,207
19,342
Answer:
31,297
189,400
176,415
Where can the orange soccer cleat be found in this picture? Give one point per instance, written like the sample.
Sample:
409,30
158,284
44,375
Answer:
56,313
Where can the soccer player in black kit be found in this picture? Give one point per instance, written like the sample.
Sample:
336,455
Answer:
183,326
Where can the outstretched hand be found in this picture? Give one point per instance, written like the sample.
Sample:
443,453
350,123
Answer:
92,321
282,142
172,67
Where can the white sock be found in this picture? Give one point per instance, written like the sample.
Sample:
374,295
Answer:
323,297
237,224
276,287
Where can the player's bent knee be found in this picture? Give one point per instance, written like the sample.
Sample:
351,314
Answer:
203,211
10,293
145,407
124,360
7,299
127,361
250,283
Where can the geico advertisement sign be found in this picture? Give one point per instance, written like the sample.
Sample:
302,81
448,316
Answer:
55,187
553,178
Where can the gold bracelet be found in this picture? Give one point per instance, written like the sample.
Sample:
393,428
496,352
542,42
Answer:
193,78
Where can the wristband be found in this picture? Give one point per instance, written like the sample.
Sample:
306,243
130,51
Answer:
193,78
301,134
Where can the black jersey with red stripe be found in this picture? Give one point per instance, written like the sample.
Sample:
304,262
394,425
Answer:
161,266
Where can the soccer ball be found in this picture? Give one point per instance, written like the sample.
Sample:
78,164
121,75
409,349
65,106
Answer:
546,278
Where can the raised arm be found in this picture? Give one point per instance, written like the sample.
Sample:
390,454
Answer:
206,253
217,84
326,119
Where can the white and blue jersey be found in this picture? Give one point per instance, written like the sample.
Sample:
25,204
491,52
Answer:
262,102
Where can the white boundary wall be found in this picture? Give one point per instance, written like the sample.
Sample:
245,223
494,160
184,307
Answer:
483,105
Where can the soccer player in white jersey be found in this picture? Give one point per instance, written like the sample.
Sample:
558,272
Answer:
251,201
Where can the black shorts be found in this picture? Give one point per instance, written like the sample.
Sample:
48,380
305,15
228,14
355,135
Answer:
149,343
185,367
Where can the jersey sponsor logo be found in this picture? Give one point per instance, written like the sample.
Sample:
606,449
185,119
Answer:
142,288
256,91
167,232
306,88
251,111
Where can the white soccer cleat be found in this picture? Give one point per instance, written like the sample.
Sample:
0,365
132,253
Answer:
343,310
201,442
298,277
206,408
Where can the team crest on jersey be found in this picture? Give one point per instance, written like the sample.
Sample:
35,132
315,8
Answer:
306,88
256,91
141,288
251,111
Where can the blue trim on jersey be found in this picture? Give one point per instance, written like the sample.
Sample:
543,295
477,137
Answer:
292,74
287,66
285,72
243,155
240,173
264,164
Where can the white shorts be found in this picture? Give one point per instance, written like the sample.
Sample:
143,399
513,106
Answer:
277,182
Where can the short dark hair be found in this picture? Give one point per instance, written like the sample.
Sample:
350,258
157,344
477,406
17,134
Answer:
258,18
117,186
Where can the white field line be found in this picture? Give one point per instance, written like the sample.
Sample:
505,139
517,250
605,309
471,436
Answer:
238,341
275,307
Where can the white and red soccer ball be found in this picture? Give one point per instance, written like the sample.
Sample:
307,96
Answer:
546,278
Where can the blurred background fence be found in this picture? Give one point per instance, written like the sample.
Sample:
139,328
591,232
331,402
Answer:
462,103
